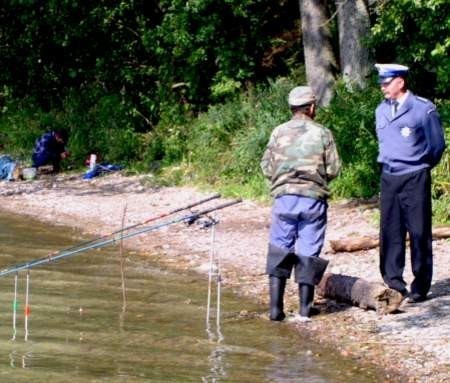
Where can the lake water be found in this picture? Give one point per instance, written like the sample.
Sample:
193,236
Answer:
80,331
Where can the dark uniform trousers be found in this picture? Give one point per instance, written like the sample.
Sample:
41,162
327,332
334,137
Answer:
406,207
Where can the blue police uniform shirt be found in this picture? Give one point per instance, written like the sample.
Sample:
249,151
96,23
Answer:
411,140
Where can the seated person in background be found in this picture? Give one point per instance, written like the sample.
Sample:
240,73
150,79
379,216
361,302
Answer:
50,149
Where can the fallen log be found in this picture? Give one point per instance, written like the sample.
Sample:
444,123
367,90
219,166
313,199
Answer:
359,292
369,242
441,232
354,244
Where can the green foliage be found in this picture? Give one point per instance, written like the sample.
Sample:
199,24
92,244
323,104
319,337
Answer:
227,142
102,123
214,47
441,173
351,118
20,126
255,188
224,146
416,33
156,54
441,211
96,122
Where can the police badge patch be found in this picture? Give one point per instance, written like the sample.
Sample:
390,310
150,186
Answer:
405,131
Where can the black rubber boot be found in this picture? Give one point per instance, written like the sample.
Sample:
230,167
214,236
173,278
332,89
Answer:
310,270
276,286
306,295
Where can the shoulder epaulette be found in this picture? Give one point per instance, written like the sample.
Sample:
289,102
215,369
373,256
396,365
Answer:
422,99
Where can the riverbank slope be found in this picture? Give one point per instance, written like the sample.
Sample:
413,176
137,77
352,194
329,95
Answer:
412,345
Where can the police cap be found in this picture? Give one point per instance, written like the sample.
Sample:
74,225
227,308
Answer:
387,72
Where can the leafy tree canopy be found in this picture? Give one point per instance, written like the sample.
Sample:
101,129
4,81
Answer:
417,33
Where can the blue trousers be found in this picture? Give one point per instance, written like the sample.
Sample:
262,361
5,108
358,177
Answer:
43,159
406,207
297,230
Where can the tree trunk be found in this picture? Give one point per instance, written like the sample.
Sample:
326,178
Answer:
359,292
354,244
320,61
441,232
366,242
354,27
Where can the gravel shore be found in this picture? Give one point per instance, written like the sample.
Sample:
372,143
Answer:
412,345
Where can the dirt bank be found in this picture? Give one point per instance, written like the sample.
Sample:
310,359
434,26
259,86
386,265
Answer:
414,343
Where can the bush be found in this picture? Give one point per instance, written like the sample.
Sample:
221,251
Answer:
21,124
441,173
96,122
102,123
351,118
224,145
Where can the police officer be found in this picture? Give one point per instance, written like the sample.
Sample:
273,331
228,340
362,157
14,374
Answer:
299,161
411,143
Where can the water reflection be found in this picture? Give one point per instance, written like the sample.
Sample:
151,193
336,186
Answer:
216,357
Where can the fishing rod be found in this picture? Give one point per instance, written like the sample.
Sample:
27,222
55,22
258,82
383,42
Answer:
189,219
163,215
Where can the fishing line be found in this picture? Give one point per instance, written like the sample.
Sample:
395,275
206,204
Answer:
15,307
217,369
27,307
214,271
210,275
122,275
219,295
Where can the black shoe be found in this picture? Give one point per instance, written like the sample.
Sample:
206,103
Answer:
416,298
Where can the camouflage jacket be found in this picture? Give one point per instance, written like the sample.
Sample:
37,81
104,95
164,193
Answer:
301,158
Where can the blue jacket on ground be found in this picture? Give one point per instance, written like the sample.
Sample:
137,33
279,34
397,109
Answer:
411,140
101,169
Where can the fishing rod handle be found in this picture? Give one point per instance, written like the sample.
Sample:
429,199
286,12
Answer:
214,196
218,207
